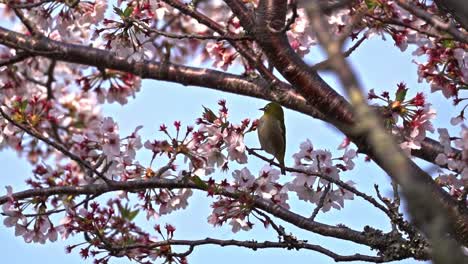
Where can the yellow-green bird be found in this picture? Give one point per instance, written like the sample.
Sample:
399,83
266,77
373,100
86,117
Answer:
272,133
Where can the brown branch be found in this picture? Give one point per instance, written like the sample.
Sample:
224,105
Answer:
13,5
56,211
290,21
458,9
276,46
28,24
158,33
218,80
395,22
321,202
245,16
17,58
50,80
377,239
254,245
279,229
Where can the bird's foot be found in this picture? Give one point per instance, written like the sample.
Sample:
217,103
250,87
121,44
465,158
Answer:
272,161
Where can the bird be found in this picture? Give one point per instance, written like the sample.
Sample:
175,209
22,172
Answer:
272,132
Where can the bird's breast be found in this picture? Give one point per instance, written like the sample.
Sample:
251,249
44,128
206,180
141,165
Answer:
269,134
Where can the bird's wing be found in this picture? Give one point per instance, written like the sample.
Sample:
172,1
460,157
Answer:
283,133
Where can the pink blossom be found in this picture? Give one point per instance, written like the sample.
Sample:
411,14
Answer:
239,224
111,147
243,179
236,147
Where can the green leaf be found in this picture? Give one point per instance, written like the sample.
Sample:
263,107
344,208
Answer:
371,4
224,126
447,43
401,94
23,105
199,182
127,213
128,11
133,214
209,114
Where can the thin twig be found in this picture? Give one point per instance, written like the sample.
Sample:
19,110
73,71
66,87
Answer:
241,47
434,21
293,18
28,24
279,229
395,22
57,146
328,178
147,29
326,64
321,202
51,212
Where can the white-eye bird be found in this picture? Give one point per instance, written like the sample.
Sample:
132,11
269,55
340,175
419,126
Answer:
272,132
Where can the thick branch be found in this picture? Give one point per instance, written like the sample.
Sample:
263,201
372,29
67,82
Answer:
231,83
376,239
458,8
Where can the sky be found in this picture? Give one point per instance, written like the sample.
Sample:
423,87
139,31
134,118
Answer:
379,65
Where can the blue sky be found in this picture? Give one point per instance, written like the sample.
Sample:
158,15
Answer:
379,65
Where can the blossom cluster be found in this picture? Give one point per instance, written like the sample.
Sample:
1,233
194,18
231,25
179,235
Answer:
446,67
416,115
457,163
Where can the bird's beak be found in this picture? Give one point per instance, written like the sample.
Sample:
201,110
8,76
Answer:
262,109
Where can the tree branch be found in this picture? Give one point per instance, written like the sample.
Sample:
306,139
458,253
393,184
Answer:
17,58
254,245
57,146
457,8
374,238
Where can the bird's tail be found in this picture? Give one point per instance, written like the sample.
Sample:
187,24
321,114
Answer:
281,162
